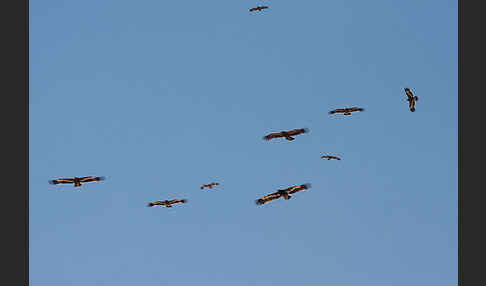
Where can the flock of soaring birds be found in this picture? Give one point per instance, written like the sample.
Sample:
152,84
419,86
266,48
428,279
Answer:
284,193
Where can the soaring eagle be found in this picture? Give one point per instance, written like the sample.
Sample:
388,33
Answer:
328,157
76,181
285,193
287,134
166,203
411,99
346,111
209,185
259,8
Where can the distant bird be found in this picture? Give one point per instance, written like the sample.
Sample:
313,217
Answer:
287,134
330,157
285,193
411,99
346,111
209,185
259,8
76,181
166,203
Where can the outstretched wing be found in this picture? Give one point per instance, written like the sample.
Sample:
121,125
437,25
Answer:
298,188
157,203
177,201
339,110
273,135
409,93
411,105
353,109
268,198
297,131
334,157
91,179
61,181
326,157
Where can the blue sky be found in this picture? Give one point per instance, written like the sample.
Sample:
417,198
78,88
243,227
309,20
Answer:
163,96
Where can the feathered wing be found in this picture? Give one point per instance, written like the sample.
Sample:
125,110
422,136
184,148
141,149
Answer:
61,181
298,188
91,179
338,110
177,201
411,105
354,109
409,93
268,198
157,203
297,131
273,135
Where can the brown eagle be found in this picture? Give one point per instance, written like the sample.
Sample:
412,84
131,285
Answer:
411,99
76,181
259,8
166,203
287,134
328,157
209,185
346,111
285,193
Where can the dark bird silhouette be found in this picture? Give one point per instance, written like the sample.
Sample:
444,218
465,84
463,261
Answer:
328,157
76,181
346,111
209,185
166,203
287,134
285,193
259,8
411,99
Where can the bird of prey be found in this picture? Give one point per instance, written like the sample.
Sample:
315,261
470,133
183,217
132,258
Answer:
287,134
166,203
285,193
259,8
411,99
76,181
328,157
346,111
209,185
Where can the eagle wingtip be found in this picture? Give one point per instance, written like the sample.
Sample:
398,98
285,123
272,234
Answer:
308,186
259,202
184,201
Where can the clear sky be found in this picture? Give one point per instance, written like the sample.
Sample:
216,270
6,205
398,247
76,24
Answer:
163,96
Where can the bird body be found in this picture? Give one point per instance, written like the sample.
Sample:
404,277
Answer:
259,8
346,111
411,99
76,181
286,134
209,185
328,157
285,193
166,203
